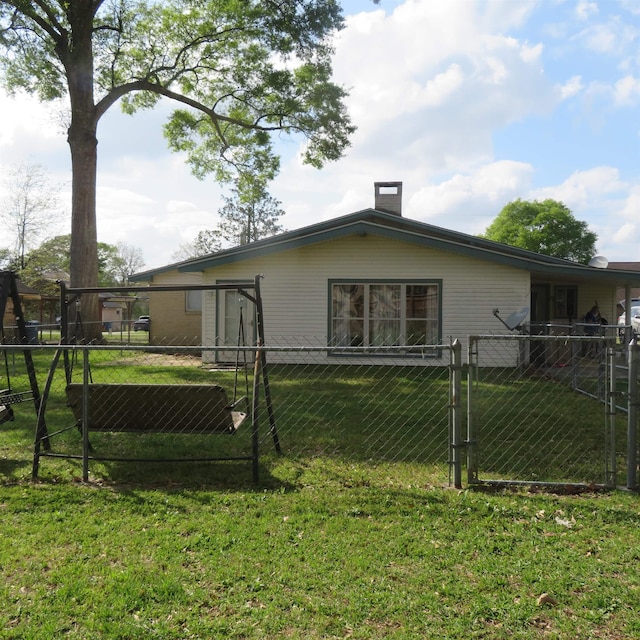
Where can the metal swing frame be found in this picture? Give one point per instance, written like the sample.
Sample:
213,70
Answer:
99,407
9,396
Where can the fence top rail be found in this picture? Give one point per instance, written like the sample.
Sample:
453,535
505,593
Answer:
197,349
542,338
155,288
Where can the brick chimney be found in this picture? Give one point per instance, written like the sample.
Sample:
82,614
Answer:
388,197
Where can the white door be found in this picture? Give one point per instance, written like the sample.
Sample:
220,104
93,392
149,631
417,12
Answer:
237,326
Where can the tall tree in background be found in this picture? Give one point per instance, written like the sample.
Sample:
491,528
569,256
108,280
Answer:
238,70
245,217
124,260
249,216
206,242
546,227
29,209
5,258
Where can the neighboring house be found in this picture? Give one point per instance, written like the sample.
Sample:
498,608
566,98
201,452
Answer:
374,277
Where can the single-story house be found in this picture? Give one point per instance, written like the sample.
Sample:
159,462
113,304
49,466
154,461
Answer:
374,278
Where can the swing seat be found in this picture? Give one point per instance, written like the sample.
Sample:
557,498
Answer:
157,408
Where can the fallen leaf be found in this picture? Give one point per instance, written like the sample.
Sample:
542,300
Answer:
545,598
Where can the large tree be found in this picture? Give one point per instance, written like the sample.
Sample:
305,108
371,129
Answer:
238,69
546,227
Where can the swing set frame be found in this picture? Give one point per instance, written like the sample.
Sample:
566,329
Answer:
202,408
9,396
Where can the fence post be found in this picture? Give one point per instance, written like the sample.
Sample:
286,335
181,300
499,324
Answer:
85,415
472,458
633,355
456,415
611,474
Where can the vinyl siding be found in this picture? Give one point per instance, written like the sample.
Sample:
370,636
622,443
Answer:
295,287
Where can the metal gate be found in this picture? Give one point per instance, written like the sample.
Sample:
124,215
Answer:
554,419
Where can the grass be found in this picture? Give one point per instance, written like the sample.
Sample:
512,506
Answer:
328,546
330,550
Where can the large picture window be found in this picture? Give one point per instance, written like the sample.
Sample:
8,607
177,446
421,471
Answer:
398,314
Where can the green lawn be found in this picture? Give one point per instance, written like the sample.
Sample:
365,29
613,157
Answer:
331,544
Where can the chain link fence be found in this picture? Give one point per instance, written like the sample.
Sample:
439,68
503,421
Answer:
168,404
516,408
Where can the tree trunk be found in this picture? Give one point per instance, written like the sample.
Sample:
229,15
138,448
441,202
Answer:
84,237
83,144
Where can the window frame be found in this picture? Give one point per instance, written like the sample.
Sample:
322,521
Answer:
562,294
404,350
189,308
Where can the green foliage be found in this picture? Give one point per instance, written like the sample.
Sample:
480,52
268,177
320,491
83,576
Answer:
546,227
242,69
6,258
249,217
50,262
206,242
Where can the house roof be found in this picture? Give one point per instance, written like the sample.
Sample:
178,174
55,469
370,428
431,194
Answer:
380,223
27,292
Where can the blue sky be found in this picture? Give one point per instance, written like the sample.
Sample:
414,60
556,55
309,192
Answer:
470,103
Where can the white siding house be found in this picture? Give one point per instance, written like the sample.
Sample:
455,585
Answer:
375,278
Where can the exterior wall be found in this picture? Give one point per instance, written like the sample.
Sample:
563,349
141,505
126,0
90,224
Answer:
605,297
295,288
171,323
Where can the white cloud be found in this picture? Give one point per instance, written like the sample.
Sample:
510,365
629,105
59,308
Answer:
631,207
582,187
610,205
585,10
611,36
469,202
572,87
626,91
25,114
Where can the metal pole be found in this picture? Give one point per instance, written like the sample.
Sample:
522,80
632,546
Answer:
472,459
263,361
255,403
85,415
633,354
611,475
456,416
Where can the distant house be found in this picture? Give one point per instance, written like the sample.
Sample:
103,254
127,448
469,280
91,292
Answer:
115,311
374,277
